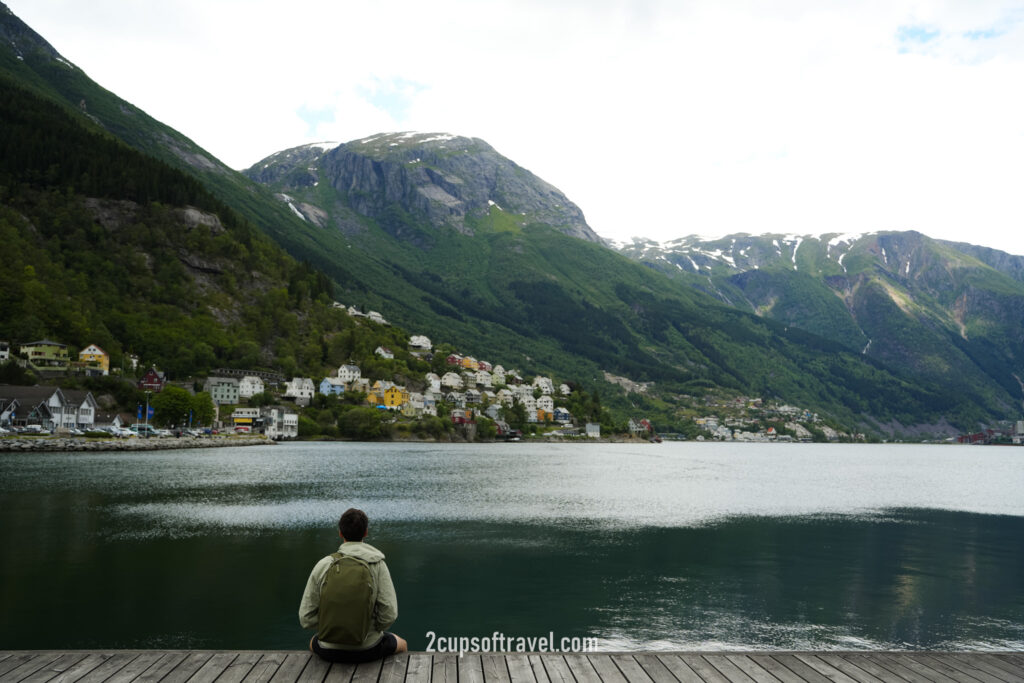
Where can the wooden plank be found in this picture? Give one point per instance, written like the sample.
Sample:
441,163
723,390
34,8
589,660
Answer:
537,664
264,668
161,668
866,661
367,672
394,668
631,669
239,667
55,668
927,673
16,659
29,666
186,669
801,669
584,671
419,668
728,669
134,668
445,669
470,669
754,669
495,668
848,668
291,668
213,667
1017,660
654,668
956,669
991,666
315,671
81,668
827,670
558,671
519,669
1003,663
703,669
775,668
680,669
109,668
339,672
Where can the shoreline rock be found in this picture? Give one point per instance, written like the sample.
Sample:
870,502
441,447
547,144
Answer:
77,444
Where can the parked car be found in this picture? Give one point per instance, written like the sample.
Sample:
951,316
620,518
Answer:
143,429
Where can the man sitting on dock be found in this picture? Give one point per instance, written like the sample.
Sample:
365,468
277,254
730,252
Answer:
350,600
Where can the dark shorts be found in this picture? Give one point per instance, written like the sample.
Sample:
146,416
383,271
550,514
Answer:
384,647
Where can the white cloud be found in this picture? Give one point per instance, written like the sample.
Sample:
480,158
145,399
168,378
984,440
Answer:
657,118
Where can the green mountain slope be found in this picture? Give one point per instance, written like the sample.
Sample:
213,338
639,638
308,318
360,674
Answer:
949,314
508,279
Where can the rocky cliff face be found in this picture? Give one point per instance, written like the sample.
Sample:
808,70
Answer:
432,179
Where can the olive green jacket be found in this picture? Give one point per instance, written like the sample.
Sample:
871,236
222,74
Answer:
386,610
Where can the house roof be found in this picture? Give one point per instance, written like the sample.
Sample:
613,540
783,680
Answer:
33,394
78,396
45,342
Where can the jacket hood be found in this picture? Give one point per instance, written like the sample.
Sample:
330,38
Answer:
361,551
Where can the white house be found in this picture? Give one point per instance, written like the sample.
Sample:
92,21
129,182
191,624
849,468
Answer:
483,378
498,375
5,351
384,352
506,397
300,390
420,343
349,373
530,404
376,317
451,380
546,403
564,389
80,409
249,386
544,384
280,424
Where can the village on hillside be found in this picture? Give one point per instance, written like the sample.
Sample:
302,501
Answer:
460,397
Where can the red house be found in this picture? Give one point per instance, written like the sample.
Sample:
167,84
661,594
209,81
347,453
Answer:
153,380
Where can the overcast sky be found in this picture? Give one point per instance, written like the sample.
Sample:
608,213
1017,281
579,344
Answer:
659,119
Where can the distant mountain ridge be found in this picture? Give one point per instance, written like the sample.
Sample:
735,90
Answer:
946,311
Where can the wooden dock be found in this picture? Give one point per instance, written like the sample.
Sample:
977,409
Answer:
162,666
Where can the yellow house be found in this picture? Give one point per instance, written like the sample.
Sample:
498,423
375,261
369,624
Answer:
470,363
96,357
387,394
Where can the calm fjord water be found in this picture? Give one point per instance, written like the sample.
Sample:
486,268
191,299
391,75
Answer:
643,546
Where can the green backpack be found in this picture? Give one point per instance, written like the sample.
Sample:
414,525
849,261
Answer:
346,602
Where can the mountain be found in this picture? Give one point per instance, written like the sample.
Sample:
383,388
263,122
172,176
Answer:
510,266
948,313
442,234
450,181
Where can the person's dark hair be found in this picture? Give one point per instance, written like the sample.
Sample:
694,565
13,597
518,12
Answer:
352,524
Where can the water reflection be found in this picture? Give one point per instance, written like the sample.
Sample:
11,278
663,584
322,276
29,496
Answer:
639,546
